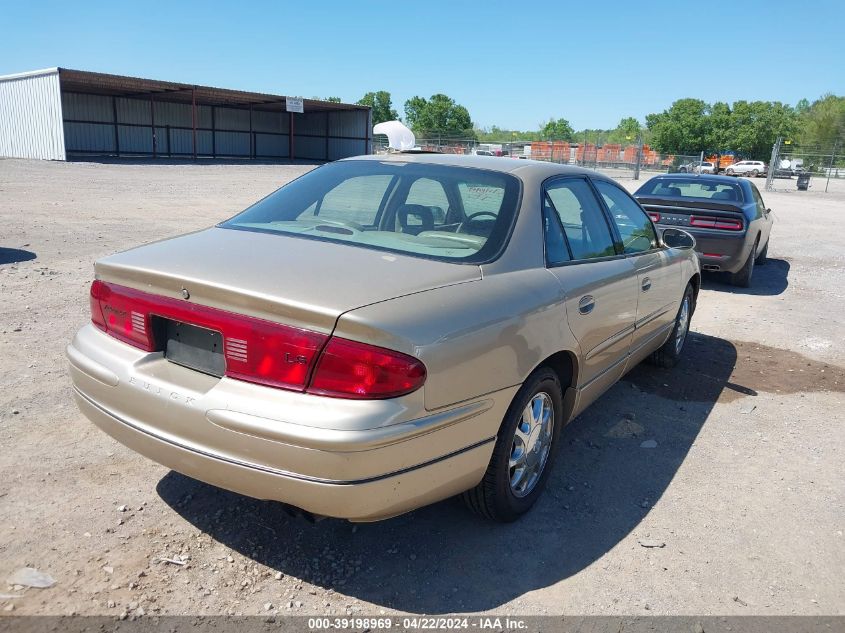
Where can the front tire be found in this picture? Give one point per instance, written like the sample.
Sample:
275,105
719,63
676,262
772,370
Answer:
730,172
524,451
670,352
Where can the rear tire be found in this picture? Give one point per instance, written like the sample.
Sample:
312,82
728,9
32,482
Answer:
742,278
762,256
504,493
754,173
670,352
730,172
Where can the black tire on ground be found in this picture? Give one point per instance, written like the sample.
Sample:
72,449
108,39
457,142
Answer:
730,172
494,498
670,352
762,255
754,173
742,277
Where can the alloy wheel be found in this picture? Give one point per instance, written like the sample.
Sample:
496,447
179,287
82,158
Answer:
532,442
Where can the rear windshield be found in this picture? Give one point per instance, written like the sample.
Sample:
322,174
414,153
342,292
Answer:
442,212
691,188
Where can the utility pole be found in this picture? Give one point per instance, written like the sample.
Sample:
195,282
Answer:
830,167
639,156
584,158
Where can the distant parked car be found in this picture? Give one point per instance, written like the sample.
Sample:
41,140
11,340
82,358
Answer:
727,217
705,167
753,168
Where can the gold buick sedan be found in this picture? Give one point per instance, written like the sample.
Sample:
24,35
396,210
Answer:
385,332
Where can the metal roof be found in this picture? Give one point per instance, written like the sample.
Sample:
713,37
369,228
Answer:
118,85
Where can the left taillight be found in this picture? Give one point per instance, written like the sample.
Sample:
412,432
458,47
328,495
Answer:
120,315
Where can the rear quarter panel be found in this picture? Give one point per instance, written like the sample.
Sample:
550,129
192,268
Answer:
474,338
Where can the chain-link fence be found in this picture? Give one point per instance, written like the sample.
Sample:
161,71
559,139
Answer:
632,160
807,164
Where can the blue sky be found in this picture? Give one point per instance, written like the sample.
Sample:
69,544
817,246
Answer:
513,64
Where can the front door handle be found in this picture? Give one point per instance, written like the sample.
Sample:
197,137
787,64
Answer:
586,304
646,284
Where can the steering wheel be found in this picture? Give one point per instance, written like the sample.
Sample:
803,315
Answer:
472,216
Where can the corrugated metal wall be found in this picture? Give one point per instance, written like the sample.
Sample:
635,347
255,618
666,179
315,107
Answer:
31,116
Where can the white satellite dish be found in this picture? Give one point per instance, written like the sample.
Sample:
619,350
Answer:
399,137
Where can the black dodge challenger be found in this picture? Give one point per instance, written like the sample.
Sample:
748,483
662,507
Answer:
727,217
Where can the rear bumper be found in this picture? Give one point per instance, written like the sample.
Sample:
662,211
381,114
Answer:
718,250
219,431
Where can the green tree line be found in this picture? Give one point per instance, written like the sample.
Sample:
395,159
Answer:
749,128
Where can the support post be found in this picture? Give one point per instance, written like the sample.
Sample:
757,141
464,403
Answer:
327,136
770,177
153,123
194,119
213,135
290,136
830,167
251,135
116,133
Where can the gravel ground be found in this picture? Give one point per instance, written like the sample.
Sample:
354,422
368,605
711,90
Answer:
737,507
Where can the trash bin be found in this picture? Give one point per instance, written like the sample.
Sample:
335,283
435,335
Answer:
803,181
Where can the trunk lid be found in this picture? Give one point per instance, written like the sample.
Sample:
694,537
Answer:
679,212
300,282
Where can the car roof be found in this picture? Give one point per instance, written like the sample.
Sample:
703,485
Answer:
712,178
516,166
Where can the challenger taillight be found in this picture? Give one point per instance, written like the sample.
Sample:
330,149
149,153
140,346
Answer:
261,351
654,215
727,224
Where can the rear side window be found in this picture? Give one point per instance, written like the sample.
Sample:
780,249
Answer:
582,225
634,226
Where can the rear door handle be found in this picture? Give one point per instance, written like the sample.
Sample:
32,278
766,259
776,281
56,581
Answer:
646,284
586,304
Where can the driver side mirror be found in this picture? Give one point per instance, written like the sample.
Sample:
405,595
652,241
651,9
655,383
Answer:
676,238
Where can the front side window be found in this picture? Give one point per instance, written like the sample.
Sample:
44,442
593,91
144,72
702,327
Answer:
634,226
444,212
582,232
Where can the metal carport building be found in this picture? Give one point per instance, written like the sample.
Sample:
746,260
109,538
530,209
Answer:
60,113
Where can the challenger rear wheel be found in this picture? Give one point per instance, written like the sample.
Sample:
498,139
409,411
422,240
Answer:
762,255
524,451
742,277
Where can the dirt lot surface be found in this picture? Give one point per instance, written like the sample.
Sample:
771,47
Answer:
737,510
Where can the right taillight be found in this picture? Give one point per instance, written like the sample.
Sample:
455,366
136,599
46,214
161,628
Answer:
347,369
726,224
654,215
